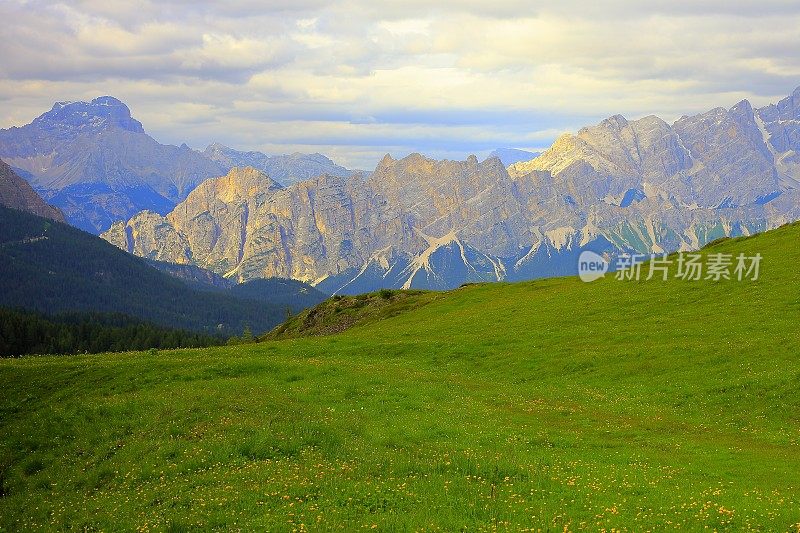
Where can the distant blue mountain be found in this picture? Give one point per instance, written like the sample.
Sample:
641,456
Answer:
95,162
285,168
509,156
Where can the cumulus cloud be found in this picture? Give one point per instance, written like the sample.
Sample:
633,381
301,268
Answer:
359,78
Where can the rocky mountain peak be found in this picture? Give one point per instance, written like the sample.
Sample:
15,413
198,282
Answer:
789,107
101,113
411,163
615,122
743,107
247,178
493,164
415,157
238,187
315,157
385,162
218,149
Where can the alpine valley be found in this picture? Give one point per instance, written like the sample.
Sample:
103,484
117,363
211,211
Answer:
639,186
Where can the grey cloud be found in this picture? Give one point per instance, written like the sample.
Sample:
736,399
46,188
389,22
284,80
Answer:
48,45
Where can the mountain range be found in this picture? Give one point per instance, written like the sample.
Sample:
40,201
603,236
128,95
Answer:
641,186
96,163
620,186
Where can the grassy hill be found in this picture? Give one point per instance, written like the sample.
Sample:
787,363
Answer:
53,268
340,312
552,405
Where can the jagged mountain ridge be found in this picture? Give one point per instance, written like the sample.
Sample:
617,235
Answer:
285,168
620,186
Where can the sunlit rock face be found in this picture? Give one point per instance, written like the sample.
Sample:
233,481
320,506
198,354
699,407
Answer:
641,186
427,199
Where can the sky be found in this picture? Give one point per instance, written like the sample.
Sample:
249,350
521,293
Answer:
356,79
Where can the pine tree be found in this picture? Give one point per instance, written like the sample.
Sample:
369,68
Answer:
247,335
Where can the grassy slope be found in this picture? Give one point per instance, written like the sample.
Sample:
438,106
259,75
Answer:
547,404
340,313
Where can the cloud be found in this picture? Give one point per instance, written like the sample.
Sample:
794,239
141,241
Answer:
358,78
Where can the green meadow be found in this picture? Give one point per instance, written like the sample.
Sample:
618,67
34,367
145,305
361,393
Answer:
540,406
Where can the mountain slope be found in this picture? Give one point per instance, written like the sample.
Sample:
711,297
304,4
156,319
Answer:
340,313
16,193
545,405
192,275
52,268
96,163
290,294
